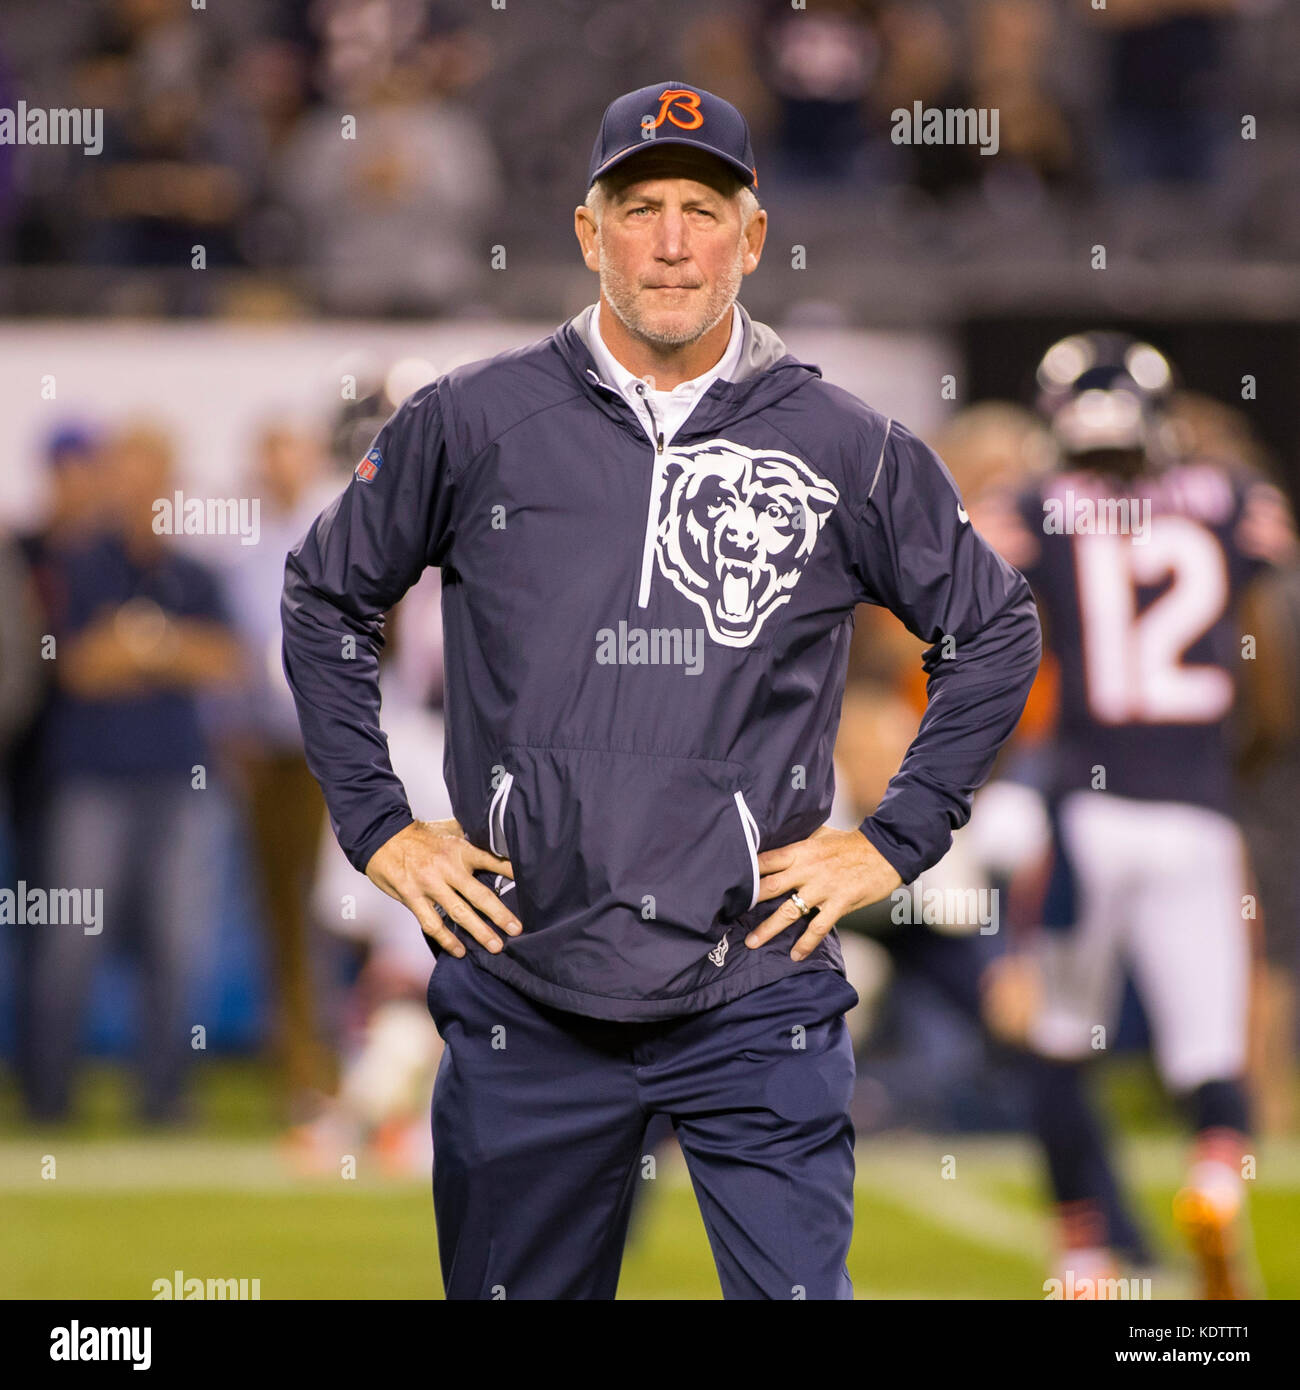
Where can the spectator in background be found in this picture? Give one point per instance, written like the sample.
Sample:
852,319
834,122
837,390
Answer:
922,61
74,459
1167,63
390,206
163,187
995,62
832,79
1011,44
9,204
142,636
75,508
263,101
286,812
820,66
166,180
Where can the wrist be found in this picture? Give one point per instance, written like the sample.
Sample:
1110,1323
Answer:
388,829
885,847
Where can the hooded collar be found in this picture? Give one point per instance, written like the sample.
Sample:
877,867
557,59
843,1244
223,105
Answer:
764,374
614,373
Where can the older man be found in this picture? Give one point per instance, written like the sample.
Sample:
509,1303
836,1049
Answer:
654,526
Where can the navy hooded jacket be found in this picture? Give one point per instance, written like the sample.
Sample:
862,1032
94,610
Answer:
646,651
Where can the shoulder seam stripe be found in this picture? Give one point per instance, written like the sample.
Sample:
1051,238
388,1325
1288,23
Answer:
889,425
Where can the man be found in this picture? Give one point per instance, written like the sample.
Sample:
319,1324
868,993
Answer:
77,496
653,526
143,638
285,813
1148,569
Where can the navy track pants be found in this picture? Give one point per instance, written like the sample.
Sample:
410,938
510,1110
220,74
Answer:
539,1117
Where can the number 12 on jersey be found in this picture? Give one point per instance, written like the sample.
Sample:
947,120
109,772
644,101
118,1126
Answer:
1134,663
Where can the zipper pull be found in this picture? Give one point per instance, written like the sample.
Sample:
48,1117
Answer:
654,419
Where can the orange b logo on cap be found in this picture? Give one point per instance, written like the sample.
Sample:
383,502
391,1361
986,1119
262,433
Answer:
677,100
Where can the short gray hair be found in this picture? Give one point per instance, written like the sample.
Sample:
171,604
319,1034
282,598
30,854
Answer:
598,196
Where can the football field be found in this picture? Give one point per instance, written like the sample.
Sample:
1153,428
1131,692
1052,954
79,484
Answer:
122,1211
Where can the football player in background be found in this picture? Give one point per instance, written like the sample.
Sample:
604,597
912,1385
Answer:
994,450
1151,570
1268,778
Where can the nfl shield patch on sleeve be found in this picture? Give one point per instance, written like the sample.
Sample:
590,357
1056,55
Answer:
369,467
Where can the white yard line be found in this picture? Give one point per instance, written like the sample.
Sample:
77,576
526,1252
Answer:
964,1204
157,1165
906,1169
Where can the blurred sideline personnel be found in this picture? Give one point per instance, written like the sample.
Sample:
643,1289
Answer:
658,464
286,813
75,498
952,1062
142,633
1148,568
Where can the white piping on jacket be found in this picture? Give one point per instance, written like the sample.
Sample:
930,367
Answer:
497,813
652,511
750,826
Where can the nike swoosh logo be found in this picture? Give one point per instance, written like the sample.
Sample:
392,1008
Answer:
962,514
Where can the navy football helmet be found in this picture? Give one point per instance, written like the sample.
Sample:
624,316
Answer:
1104,392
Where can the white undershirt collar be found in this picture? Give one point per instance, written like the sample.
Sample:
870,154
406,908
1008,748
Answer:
670,409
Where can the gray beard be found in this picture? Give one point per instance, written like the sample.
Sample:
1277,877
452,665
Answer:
621,297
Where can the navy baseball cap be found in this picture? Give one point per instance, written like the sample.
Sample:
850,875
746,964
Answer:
68,442
672,113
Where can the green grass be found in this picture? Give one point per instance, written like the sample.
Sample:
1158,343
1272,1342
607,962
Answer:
216,1201
376,1240
319,1245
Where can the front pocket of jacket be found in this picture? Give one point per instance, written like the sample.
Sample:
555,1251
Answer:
592,833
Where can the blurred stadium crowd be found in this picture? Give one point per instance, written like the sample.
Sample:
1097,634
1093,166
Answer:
223,128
